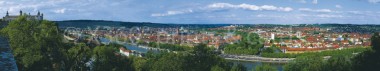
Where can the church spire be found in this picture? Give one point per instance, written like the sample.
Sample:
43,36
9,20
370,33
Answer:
20,12
7,14
38,14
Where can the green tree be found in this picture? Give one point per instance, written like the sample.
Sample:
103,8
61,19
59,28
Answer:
139,63
338,63
250,44
78,56
264,67
305,63
103,58
269,50
36,44
106,60
170,62
369,60
375,42
202,58
238,67
217,68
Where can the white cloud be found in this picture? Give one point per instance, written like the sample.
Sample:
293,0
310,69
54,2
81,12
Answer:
173,13
302,15
328,16
248,7
374,1
315,10
306,1
300,1
61,11
269,16
286,8
268,7
222,6
315,2
338,6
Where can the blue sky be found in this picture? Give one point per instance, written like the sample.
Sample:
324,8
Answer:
203,11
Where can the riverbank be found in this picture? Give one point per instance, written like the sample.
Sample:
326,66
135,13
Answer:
254,58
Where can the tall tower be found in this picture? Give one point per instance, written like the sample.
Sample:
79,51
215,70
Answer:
298,34
20,12
7,14
38,14
272,36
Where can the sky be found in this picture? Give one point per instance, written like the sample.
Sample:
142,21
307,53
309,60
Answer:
203,11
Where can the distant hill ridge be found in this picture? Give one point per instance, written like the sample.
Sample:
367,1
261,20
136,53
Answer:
95,23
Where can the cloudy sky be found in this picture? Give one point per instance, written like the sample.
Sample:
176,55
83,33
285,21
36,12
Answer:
203,11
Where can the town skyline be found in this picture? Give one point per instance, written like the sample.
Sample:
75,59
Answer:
204,12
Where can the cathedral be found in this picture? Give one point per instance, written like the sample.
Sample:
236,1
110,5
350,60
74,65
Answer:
8,17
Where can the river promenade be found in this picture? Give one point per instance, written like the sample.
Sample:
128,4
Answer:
255,58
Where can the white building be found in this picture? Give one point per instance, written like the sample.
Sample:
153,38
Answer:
124,52
272,36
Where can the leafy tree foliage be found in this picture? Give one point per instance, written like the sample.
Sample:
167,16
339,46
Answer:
369,60
249,44
170,62
172,47
305,63
203,58
375,42
138,64
217,68
338,63
238,67
200,58
271,49
106,60
78,56
36,44
264,68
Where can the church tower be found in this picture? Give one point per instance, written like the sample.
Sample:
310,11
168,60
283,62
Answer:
7,14
38,14
20,12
